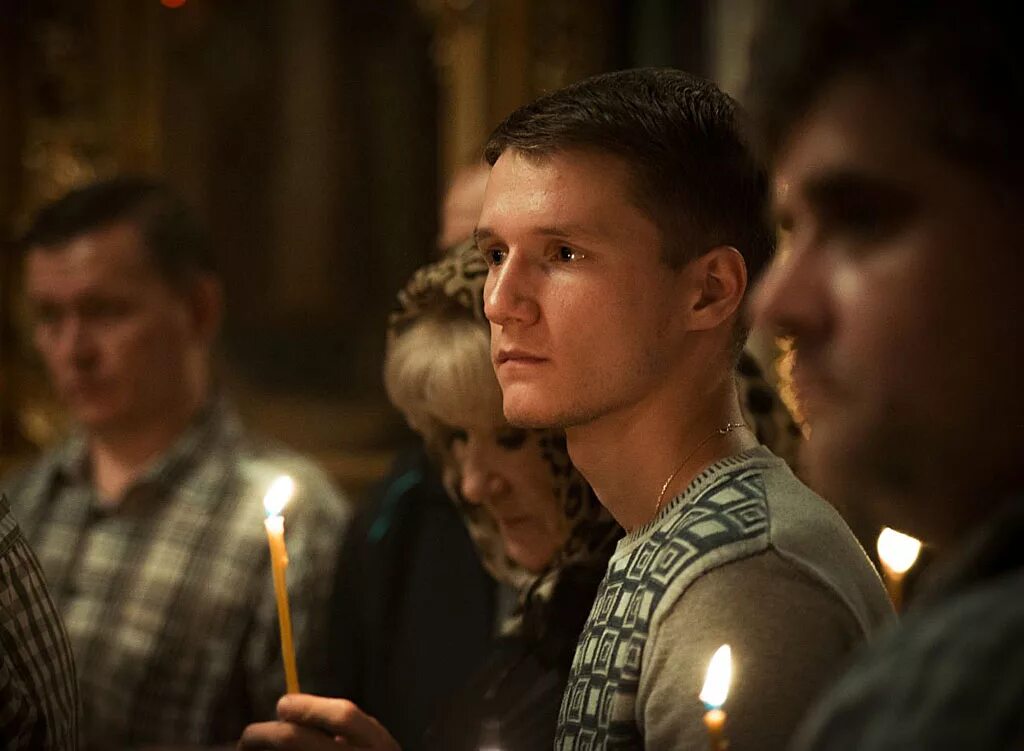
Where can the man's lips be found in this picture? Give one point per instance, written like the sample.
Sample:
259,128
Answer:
81,388
517,356
514,522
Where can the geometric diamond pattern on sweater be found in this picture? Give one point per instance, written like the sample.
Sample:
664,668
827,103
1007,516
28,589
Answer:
729,519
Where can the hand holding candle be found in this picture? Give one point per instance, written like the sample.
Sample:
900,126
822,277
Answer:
714,693
274,502
898,553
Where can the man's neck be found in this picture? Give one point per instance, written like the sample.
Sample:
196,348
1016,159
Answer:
119,456
628,455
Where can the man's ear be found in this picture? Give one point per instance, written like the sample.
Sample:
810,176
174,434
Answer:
206,306
720,276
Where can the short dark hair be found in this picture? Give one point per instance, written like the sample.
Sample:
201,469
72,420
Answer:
683,141
171,233
957,66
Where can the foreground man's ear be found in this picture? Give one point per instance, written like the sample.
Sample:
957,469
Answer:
720,279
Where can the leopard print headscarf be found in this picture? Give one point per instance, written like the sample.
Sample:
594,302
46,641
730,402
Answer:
453,287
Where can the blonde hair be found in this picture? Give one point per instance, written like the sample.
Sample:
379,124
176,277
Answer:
438,372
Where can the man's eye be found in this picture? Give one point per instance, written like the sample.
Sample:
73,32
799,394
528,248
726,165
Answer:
864,221
860,221
566,254
455,435
105,310
512,438
46,316
495,256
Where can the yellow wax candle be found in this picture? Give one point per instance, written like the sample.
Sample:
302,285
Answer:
714,693
277,496
714,721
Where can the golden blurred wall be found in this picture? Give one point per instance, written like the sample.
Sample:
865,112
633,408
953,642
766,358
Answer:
315,139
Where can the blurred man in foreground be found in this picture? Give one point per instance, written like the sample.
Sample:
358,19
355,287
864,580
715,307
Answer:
894,133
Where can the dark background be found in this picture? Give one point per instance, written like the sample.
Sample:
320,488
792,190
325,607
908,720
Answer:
315,139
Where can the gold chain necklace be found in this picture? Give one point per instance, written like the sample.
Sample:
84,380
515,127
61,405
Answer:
724,430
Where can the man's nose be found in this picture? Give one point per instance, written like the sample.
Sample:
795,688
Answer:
78,342
508,295
792,297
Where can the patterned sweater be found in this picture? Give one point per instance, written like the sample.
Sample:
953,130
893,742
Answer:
746,555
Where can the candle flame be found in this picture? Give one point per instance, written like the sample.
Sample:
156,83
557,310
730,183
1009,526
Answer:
719,675
278,495
897,551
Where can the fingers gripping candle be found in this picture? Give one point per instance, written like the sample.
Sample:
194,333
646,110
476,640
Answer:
278,495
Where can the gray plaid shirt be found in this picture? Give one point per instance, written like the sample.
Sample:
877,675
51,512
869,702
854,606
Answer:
38,696
168,597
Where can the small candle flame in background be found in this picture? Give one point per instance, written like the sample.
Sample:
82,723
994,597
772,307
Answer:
897,552
278,495
718,678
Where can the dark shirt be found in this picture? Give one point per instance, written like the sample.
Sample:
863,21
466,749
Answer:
415,611
951,675
38,693
512,703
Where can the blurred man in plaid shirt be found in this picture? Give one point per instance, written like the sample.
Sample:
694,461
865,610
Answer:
148,520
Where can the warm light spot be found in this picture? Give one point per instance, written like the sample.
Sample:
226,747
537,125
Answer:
172,3
719,675
897,551
278,494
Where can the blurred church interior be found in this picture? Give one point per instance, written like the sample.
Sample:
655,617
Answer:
316,140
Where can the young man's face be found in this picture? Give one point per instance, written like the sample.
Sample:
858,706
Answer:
585,317
116,338
899,281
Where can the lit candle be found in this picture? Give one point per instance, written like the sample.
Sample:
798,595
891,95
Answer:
274,502
714,693
898,553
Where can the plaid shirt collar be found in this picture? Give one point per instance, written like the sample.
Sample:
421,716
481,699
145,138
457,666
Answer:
214,424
